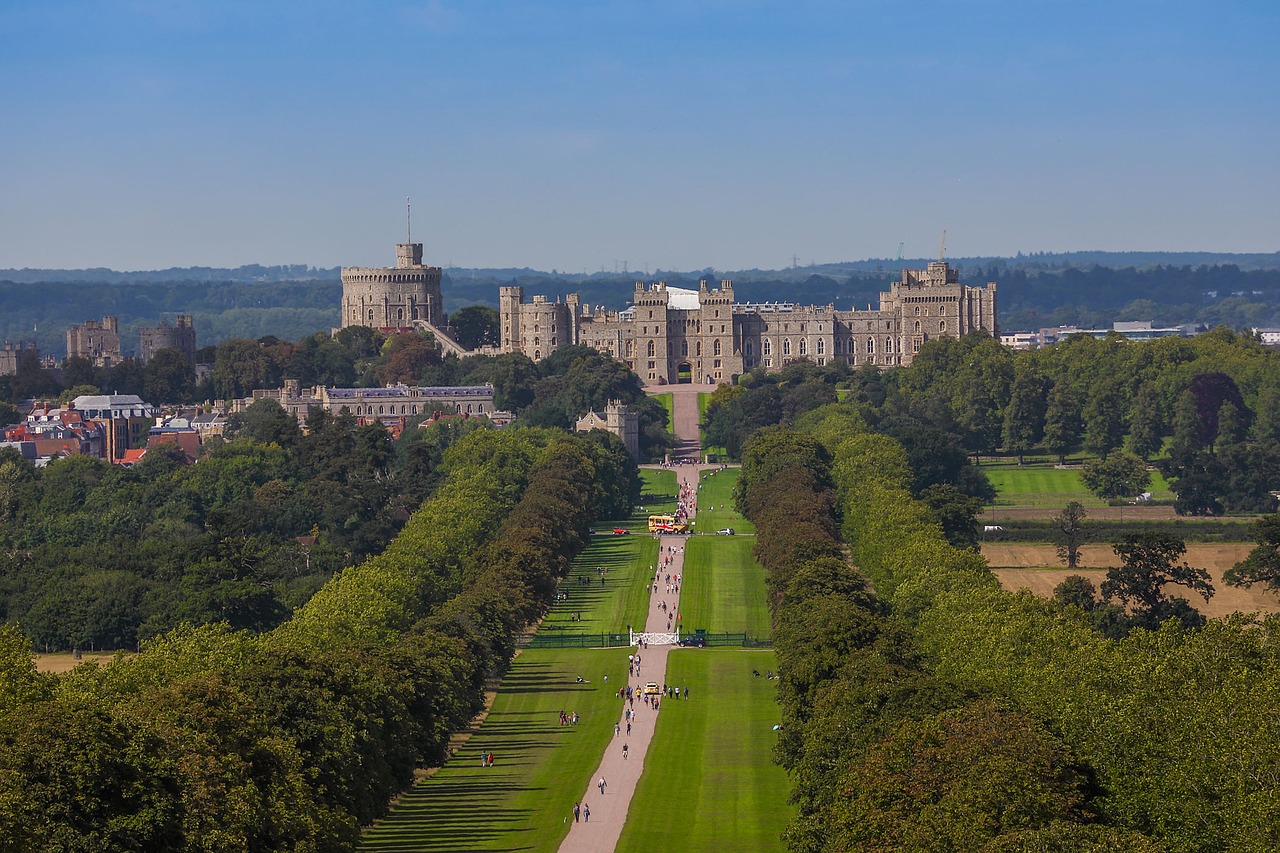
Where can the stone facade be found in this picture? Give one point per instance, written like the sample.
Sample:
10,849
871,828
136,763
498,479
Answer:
98,342
12,353
617,419
704,336
393,298
375,403
181,336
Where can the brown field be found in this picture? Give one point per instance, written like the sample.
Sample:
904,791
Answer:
59,662
1037,568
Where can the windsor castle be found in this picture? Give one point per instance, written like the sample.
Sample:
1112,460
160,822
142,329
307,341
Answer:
675,335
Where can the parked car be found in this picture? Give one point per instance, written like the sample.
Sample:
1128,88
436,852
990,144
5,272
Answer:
620,531
651,689
725,531
694,641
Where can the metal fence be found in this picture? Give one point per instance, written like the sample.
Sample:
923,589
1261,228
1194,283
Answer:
562,640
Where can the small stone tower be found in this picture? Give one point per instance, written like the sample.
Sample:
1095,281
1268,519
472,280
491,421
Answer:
625,424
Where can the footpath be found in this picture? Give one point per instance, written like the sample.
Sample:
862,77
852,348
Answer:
610,802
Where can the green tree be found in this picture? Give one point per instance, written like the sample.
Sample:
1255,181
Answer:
1146,427
1024,416
1149,561
476,326
1263,563
956,512
1070,523
1119,475
1232,426
266,422
1062,427
239,367
1266,422
1104,419
168,378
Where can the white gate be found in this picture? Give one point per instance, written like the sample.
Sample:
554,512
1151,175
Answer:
654,638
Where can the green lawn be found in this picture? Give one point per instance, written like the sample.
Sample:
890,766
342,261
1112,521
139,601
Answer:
704,399
620,601
540,767
715,490
1044,485
669,404
709,782
723,588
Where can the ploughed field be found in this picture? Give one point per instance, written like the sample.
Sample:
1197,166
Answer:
1037,568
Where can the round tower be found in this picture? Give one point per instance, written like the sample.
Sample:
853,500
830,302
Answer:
390,298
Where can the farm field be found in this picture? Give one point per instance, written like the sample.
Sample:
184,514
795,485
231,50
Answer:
723,587
709,783
539,765
60,662
1036,568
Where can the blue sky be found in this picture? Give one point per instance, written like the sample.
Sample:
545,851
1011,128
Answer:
673,135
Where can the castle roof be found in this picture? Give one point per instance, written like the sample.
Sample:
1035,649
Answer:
683,299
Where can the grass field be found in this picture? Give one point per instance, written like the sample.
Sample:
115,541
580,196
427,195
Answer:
704,400
1044,485
709,783
668,402
715,490
723,587
539,765
620,601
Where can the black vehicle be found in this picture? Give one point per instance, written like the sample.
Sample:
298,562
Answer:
695,640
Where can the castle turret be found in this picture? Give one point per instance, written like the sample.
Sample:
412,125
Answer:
391,298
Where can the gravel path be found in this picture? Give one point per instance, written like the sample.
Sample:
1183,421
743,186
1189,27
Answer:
609,808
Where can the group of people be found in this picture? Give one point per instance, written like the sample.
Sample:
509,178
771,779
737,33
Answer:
486,759
569,719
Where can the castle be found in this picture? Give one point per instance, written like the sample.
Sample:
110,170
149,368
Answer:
678,335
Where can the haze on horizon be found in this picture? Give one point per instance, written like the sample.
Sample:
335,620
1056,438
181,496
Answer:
675,135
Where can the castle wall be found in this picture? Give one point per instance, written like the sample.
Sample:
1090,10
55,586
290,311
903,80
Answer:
181,337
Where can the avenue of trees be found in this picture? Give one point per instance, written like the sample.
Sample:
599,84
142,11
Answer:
100,556
925,708
213,739
1204,410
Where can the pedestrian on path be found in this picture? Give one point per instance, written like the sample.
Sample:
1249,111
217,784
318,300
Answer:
602,786
624,752
586,813
577,812
617,729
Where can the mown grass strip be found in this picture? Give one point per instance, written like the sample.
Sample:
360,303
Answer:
539,765
715,503
709,782
723,587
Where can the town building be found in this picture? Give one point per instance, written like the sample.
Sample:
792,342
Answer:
617,419
180,336
125,418
97,341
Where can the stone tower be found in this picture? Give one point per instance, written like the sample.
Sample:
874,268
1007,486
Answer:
181,336
392,298
625,424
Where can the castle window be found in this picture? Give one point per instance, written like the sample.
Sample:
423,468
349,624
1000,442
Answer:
400,314
915,345
804,347
768,362
917,310
631,349
888,344
786,346
697,349
537,355
715,347
917,327
684,349
415,313
871,346
822,348
652,350
942,325
749,349
766,348
370,316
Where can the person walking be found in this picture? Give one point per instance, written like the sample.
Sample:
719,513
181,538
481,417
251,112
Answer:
577,812
602,786
586,813
624,752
